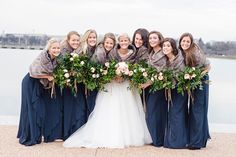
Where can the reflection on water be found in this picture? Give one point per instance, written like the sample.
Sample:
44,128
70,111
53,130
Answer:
14,65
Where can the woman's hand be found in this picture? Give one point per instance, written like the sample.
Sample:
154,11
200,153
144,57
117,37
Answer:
119,79
145,85
50,78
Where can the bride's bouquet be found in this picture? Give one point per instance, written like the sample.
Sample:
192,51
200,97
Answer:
122,69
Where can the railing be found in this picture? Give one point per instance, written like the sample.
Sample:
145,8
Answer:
32,47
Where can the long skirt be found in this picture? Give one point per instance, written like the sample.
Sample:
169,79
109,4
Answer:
74,110
31,123
198,121
53,129
91,99
156,116
176,134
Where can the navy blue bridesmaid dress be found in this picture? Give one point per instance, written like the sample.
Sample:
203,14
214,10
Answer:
91,100
74,110
176,134
198,121
53,129
156,116
31,123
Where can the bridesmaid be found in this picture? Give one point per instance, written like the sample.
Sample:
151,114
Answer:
88,46
36,98
74,106
176,128
198,121
103,49
140,41
156,114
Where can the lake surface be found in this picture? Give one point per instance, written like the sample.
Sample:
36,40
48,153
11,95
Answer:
14,65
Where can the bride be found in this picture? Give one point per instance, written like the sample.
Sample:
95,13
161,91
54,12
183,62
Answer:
118,119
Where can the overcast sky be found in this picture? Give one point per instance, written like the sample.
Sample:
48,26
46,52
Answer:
209,19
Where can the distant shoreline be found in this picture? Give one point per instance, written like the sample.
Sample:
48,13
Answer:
222,57
41,48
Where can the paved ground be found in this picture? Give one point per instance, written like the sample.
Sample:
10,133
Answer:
221,145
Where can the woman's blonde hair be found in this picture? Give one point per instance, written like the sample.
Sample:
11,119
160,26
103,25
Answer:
50,42
124,35
84,42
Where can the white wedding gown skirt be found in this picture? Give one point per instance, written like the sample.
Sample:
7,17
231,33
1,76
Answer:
118,121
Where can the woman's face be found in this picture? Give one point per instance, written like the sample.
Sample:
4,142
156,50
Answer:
185,43
138,41
124,42
54,50
92,39
108,44
154,40
167,48
74,41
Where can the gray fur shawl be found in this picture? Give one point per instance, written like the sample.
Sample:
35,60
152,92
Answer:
157,60
43,65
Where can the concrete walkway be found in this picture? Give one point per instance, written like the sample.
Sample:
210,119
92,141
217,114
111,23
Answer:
221,145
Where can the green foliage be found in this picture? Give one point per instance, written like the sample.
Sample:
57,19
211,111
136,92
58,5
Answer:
189,79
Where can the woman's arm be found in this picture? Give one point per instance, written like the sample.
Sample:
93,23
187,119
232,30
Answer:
49,77
145,85
206,69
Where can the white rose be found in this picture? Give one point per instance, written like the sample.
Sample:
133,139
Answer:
104,72
193,68
118,72
65,70
186,76
71,59
145,74
152,79
68,80
131,73
142,69
75,55
160,73
160,77
126,72
92,69
72,54
107,64
97,76
82,62
94,75
67,75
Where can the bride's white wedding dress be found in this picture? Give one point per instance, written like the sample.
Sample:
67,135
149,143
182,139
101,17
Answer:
118,120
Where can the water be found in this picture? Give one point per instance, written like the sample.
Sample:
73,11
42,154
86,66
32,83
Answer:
14,65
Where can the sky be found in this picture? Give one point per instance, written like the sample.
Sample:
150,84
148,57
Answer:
206,19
